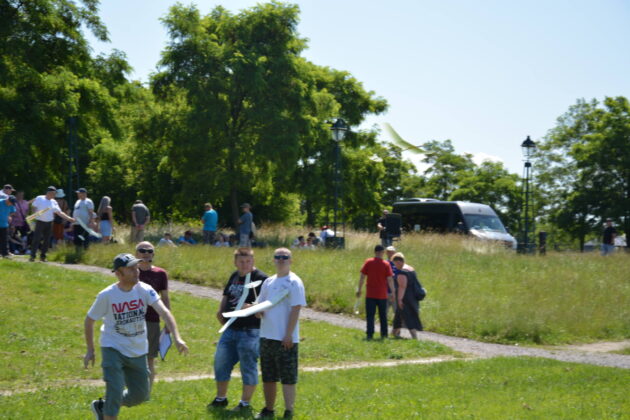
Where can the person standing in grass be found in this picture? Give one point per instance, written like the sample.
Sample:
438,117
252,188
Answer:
157,278
124,338
608,240
240,341
245,226
379,276
106,218
407,306
279,335
140,217
7,209
83,211
43,225
209,220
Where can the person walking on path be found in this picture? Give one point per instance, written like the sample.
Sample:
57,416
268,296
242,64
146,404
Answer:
240,341
106,218
84,212
209,220
140,217
245,226
280,335
43,225
7,210
157,278
379,276
407,306
124,346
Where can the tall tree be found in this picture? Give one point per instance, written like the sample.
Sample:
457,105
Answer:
585,163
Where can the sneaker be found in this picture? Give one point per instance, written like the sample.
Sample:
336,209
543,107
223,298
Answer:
288,414
216,403
32,259
42,259
265,414
242,409
97,408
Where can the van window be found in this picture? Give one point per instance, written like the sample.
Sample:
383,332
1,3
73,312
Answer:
484,222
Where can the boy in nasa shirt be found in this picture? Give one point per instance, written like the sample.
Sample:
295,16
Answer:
124,347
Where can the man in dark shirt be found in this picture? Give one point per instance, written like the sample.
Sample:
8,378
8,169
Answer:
240,341
381,225
157,278
608,242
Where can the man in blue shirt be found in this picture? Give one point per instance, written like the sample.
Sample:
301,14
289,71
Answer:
6,209
209,219
245,226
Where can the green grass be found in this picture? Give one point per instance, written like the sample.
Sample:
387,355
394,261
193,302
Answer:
623,351
475,290
41,320
483,389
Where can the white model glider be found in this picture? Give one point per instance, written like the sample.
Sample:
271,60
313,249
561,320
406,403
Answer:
37,213
240,302
87,228
259,307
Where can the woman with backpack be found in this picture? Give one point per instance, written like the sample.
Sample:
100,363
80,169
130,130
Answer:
408,293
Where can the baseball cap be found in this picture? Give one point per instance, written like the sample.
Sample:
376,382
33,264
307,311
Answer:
12,199
245,205
124,260
8,186
390,248
379,248
51,188
82,190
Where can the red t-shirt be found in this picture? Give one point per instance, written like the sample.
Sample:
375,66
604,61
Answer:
155,277
377,270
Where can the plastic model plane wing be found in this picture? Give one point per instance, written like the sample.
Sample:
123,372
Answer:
259,307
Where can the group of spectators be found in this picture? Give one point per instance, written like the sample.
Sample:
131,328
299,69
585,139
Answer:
131,310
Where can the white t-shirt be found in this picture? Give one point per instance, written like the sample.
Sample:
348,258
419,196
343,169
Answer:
41,203
124,327
274,322
3,195
81,210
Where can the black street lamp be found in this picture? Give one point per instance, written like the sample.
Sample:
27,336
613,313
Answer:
338,131
527,211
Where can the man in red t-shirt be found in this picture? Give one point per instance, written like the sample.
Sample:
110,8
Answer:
379,275
157,278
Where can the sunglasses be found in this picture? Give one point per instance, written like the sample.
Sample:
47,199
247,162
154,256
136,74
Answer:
281,257
145,251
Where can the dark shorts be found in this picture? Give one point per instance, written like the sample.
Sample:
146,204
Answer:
153,336
277,363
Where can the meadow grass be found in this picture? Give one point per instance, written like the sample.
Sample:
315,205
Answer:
42,343
505,388
475,289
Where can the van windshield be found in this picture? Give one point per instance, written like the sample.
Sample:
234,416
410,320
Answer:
484,222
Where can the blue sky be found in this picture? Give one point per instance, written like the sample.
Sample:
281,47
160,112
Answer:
484,74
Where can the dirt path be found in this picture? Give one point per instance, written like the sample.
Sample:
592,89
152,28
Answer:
181,378
588,354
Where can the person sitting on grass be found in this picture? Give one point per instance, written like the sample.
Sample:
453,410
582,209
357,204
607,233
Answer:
166,240
124,343
187,239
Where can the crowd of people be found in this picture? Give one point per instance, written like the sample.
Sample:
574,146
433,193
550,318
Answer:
131,310
265,341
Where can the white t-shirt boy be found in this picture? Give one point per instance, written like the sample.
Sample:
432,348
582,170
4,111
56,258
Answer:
124,328
273,325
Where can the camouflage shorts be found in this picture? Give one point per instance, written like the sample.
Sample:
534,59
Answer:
277,363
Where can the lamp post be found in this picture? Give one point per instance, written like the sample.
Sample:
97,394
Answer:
527,217
338,131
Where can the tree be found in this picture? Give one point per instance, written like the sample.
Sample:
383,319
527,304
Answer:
585,163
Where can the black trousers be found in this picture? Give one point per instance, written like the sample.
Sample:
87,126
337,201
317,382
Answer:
370,310
81,237
42,233
4,241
